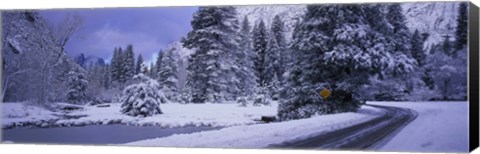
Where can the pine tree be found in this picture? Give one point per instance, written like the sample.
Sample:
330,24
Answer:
128,64
260,43
167,76
142,99
401,34
212,71
107,76
245,55
77,83
152,71
158,64
337,47
115,65
417,48
278,32
272,66
447,46
461,33
138,66
118,70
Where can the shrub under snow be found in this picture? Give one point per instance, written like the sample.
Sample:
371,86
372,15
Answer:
142,99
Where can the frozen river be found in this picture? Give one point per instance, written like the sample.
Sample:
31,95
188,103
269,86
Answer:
94,134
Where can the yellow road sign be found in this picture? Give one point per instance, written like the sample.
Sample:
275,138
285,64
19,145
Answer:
325,93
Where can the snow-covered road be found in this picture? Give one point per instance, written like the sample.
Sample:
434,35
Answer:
366,135
439,127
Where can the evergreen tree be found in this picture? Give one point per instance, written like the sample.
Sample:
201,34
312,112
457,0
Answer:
337,47
247,74
152,71
278,32
107,77
128,64
213,68
391,38
158,64
417,48
138,66
401,35
142,99
461,33
260,43
77,83
447,46
272,66
167,76
115,65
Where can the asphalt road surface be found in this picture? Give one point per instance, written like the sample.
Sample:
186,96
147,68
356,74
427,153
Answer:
364,136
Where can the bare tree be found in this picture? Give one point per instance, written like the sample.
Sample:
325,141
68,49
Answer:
64,31
37,63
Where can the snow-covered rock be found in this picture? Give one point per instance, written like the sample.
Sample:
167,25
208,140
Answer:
290,15
89,61
435,18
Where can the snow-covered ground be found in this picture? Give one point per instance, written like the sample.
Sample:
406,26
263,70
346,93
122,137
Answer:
263,135
175,115
25,114
439,127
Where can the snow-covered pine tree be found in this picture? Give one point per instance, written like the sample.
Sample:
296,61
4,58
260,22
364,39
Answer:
417,48
447,47
77,84
272,67
401,34
260,43
158,64
142,99
151,71
138,66
167,77
308,45
261,97
278,31
115,64
396,80
213,68
143,69
128,64
245,57
337,48
461,31
107,77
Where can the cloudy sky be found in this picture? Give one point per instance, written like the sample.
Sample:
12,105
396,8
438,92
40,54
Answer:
147,29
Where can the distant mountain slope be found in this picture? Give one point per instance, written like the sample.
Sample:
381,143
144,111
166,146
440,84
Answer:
289,13
435,18
88,61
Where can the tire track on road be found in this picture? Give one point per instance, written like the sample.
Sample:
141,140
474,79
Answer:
367,135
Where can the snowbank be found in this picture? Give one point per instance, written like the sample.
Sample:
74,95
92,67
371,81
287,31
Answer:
263,135
21,114
439,127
